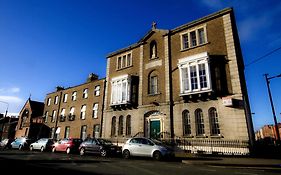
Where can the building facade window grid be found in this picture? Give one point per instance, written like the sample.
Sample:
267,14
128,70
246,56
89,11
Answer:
153,84
193,38
124,61
56,100
195,76
128,126
67,132
83,134
214,122
85,93
71,111
95,110
65,98
113,126
120,93
186,123
73,97
83,112
199,120
46,116
120,125
97,90
49,102
54,114
96,133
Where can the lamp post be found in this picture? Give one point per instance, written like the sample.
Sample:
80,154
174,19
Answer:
272,106
2,127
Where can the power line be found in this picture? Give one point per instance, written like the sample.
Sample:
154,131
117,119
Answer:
262,57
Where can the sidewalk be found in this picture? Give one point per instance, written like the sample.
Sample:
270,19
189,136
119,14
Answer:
263,163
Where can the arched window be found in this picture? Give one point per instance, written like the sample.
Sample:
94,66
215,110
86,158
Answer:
214,122
113,126
128,126
153,49
199,120
120,125
153,83
186,123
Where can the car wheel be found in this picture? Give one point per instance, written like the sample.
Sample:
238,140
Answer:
54,149
82,151
67,150
157,155
126,154
103,153
31,148
42,149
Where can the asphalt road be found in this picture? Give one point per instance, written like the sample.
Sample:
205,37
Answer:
31,163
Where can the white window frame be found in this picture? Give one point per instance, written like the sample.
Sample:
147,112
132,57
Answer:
95,110
196,30
56,100
125,60
83,112
194,60
85,93
49,101
65,98
121,90
72,110
62,112
46,116
54,114
97,90
74,96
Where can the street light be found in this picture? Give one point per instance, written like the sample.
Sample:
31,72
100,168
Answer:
272,106
4,118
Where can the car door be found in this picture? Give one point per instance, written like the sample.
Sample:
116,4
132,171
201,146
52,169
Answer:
135,146
96,146
145,147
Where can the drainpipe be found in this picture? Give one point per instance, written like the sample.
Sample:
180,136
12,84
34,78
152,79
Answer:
102,107
57,117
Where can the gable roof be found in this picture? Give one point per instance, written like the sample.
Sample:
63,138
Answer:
37,108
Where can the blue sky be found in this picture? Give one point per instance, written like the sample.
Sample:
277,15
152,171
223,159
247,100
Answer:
46,43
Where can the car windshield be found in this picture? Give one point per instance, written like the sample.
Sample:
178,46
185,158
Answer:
105,142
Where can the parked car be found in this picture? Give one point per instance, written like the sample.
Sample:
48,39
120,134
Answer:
68,145
42,144
22,143
99,146
147,148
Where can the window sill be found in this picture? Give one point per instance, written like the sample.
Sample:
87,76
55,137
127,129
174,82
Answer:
153,58
195,92
216,136
201,136
123,68
186,49
154,94
188,136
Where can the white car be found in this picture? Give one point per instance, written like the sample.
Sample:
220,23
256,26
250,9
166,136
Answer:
42,144
146,148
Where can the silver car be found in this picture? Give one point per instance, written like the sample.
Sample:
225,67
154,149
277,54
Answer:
146,148
42,144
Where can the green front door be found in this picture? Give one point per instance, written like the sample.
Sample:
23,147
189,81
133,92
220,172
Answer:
155,129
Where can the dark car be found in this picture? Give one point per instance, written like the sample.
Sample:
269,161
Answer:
22,143
99,146
68,145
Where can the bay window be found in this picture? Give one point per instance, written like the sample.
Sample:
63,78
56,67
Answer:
195,74
120,90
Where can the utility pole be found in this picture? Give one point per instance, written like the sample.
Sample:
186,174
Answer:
272,106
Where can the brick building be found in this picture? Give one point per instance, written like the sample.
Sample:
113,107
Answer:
75,111
29,124
186,83
268,132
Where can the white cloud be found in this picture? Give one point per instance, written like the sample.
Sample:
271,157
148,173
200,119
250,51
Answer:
13,103
9,90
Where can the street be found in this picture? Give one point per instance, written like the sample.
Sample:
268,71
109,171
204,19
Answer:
28,162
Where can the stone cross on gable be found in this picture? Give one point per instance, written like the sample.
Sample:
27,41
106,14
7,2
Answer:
154,25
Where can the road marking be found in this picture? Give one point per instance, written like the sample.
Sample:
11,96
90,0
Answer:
245,173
